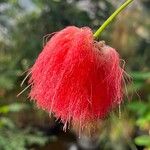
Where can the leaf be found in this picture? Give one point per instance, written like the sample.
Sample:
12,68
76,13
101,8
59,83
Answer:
140,75
143,120
4,109
6,122
138,107
143,140
15,107
36,139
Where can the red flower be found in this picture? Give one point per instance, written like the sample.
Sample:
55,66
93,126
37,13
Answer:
77,78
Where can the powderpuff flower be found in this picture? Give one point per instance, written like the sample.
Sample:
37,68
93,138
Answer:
76,78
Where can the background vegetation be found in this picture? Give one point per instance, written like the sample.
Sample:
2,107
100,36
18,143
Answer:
23,23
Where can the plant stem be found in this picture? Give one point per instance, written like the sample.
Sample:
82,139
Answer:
109,20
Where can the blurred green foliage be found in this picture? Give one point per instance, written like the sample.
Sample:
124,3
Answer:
12,137
23,24
141,110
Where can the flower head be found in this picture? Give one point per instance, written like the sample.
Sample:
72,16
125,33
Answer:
76,78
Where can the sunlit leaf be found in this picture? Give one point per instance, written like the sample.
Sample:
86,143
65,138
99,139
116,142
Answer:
143,140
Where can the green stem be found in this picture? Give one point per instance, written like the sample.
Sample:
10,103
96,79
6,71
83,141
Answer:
109,20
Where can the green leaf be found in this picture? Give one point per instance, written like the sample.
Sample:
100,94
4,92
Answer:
143,140
138,107
143,120
4,109
15,107
4,121
140,75
35,139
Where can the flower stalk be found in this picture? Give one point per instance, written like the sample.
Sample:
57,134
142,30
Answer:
111,18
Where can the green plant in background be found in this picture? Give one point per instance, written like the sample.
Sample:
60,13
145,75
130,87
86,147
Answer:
12,137
142,121
140,109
